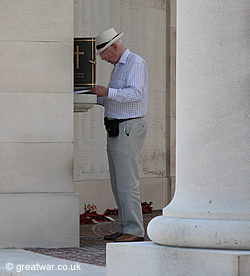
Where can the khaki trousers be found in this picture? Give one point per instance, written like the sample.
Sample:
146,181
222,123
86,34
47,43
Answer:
124,155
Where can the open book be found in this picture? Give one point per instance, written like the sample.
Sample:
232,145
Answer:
82,90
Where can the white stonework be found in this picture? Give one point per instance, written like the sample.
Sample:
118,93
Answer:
39,220
53,74
208,221
211,207
37,205
47,20
17,262
155,190
144,24
83,102
150,259
27,117
36,167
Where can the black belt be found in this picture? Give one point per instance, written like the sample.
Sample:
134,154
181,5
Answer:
123,120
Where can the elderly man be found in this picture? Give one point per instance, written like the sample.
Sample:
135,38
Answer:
125,101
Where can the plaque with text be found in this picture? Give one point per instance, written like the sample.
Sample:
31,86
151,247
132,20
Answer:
85,62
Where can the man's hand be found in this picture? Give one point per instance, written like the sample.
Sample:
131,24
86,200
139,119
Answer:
100,91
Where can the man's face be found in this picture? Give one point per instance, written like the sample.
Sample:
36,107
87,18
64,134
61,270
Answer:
109,55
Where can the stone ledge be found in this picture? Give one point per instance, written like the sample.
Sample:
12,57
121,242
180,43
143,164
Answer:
150,259
23,263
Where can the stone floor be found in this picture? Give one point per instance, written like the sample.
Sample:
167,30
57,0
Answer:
92,248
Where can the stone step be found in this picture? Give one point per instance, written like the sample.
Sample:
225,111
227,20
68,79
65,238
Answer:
150,259
15,262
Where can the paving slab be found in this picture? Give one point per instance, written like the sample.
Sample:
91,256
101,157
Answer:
18,262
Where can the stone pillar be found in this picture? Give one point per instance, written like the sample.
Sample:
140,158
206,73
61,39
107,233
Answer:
205,230
38,207
211,207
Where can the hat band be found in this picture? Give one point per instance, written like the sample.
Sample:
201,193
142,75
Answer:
105,43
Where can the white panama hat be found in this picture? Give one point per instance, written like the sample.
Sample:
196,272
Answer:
105,39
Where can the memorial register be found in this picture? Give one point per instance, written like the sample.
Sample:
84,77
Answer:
84,63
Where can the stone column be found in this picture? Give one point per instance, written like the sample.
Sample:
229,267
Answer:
205,230
38,207
211,207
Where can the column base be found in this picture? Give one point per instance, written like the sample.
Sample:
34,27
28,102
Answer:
200,233
150,259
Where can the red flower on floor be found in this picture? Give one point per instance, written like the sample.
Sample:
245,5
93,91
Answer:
85,220
91,216
146,209
111,212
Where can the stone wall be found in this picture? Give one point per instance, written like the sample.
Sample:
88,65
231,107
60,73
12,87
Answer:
149,30
37,205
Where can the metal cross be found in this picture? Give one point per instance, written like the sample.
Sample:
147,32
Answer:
78,53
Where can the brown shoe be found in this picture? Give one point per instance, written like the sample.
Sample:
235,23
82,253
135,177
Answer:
129,238
113,236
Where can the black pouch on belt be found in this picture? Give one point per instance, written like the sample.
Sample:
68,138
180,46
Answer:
112,127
